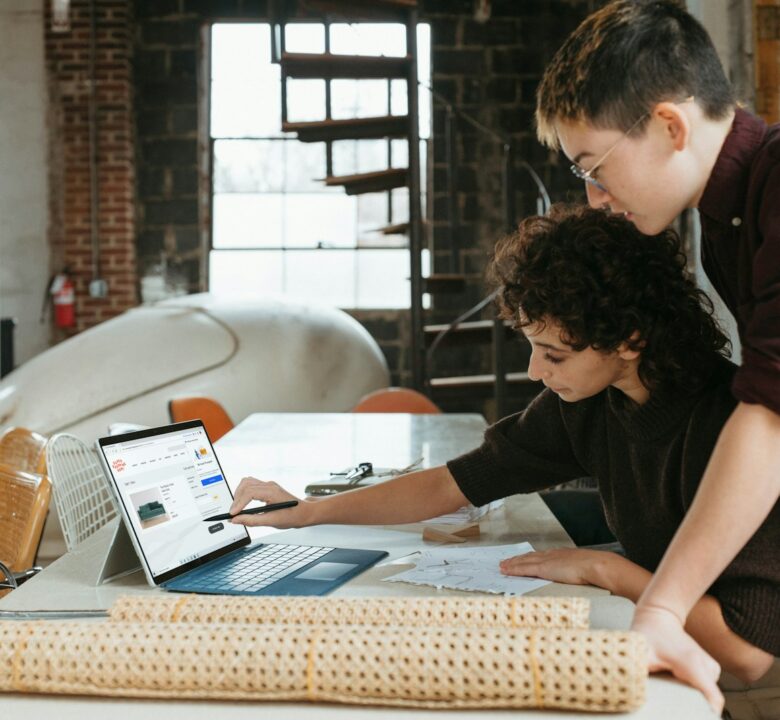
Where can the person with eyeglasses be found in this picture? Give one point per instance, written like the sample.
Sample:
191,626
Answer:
637,99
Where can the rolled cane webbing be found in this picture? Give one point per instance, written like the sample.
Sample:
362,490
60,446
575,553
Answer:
419,612
405,667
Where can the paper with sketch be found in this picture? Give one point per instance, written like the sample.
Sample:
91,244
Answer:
472,568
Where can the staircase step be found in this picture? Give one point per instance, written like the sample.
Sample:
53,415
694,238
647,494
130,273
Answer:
356,10
467,333
480,381
444,283
350,129
398,229
370,182
329,66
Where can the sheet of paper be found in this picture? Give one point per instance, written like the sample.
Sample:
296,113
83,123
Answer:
472,568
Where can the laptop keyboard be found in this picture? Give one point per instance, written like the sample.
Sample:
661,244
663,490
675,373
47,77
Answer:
256,569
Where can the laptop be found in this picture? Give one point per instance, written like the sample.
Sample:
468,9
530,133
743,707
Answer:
165,481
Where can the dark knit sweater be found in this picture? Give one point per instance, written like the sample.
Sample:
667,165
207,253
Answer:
648,461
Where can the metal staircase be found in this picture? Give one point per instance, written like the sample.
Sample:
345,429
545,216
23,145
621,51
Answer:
328,66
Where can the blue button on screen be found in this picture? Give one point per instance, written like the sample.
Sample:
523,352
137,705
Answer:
210,480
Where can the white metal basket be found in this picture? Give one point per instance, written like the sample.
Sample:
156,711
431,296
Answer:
81,493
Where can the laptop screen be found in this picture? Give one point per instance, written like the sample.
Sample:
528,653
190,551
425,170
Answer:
168,480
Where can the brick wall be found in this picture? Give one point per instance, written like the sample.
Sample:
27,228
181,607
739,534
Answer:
67,60
171,246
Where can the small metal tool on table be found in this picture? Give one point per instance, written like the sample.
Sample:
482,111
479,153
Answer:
353,477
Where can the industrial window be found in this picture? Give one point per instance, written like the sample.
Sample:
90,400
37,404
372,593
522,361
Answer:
276,228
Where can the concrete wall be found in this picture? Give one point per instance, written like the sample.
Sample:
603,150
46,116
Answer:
24,252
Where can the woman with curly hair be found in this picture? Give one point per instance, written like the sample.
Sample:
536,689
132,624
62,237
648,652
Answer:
637,393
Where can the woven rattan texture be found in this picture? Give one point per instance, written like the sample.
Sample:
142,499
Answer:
422,612
22,449
16,500
407,667
23,505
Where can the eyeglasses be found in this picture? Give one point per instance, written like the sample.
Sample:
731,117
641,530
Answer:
587,175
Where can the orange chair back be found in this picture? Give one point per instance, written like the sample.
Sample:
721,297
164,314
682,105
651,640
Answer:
214,417
24,502
24,450
396,400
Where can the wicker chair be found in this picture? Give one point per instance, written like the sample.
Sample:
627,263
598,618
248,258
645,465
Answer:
24,502
24,450
81,493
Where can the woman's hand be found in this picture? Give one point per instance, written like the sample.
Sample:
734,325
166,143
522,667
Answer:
269,492
672,649
573,566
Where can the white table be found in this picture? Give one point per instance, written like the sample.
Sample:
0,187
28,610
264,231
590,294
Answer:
295,449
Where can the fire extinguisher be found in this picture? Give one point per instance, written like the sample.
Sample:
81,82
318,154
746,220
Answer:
63,296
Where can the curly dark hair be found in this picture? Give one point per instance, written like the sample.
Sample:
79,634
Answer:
606,283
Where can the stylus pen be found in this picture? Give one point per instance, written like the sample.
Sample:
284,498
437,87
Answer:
254,511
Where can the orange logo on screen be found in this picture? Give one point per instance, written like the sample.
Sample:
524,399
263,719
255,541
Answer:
203,452
118,464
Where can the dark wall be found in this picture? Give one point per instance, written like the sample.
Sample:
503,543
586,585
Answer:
489,70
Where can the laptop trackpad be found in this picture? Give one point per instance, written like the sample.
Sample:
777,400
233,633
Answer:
326,571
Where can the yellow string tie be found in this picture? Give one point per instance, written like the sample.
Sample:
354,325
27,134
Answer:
537,676
177,608
310,694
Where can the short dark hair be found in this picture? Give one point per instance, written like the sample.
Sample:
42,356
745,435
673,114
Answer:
606,283
624,59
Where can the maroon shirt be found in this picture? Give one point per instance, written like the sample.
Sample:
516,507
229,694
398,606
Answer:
740,220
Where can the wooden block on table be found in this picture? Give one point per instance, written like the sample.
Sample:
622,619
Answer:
451,533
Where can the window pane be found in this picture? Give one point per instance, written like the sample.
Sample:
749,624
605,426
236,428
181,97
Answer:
424,99
359,156
239,50
383,279
243,220
423,169
372,155
358,98
400,153
245,90
249,272
399,102
368,39
320,220
321,277
248,166
400,204
304,167
372,215
344,157
304,38
305,100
